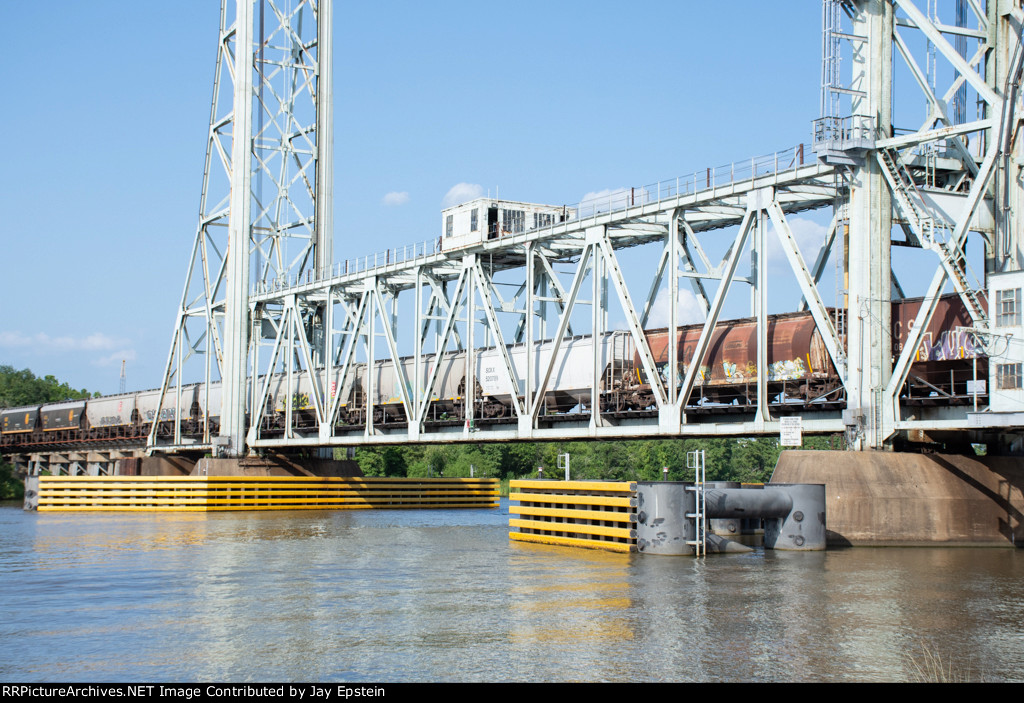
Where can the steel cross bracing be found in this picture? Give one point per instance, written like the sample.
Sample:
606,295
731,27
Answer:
355,329
271,188
447,288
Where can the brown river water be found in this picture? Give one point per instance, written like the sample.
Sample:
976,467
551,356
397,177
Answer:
444,595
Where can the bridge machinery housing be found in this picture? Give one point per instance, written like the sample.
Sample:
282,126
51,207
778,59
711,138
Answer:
528,321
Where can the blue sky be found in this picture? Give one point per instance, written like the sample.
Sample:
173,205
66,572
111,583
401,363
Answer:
108,103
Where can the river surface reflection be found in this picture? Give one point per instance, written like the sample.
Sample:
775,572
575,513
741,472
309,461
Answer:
445,596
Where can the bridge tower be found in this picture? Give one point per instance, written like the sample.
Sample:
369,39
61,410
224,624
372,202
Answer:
870,216
924,188
265,207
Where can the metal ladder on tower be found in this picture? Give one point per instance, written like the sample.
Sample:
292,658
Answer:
695,461
903,187
925,227
955,263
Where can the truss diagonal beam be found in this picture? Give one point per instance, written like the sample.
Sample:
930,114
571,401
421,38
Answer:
700,351
924,315
639,338
950,54
563,325
485,288
810,293
349,355
399,368
427,390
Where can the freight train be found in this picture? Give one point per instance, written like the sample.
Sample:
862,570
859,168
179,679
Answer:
800,375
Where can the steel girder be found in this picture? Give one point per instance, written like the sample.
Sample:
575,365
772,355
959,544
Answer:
936,206
678,227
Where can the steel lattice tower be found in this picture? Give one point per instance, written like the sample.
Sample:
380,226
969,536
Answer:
267,184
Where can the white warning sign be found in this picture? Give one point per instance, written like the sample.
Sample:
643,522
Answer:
790,432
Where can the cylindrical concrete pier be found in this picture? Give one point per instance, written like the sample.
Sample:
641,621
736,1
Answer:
803,528
31,500
662,525
725,526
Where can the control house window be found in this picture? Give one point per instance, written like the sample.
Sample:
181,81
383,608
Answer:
448,224
542,219
1008,307
512,221
472,220
1008,377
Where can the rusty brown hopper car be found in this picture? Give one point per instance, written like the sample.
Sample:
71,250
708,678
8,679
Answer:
948,355
796,354
798,364
947,338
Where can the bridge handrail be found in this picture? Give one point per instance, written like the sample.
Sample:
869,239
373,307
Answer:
613,201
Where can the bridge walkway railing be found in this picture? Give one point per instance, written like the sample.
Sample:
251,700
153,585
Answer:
614,201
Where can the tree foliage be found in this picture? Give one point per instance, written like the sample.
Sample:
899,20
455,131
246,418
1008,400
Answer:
726,459
23,387
11,486
19,388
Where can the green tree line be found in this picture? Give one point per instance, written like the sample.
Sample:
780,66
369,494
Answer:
23,387
18,388
726,459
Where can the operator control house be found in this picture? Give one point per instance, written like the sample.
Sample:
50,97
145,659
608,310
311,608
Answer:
485,219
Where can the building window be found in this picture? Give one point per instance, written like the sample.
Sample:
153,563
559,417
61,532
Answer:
1008,307
1008,377
542,219
512,221
448,225
472,220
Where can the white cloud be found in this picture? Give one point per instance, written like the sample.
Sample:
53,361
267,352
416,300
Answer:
601,194
116,358
460,193
688,309
14,339
395,198
809,236
612,199
42,343
99,341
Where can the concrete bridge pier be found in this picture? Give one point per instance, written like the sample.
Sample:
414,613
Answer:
908,499
667,516
802,528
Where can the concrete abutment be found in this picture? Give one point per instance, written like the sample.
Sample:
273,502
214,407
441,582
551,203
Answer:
903,499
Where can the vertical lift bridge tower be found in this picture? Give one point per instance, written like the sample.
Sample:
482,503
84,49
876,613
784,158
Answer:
266,205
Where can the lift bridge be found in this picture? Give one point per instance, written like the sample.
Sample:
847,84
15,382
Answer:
366,344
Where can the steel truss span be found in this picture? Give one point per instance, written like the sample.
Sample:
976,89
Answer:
547,333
